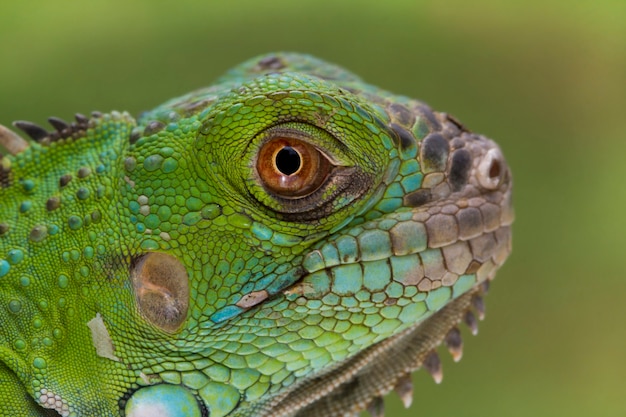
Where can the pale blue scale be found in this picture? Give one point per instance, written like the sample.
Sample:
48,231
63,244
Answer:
374,245
348,249
163,400
376,275
347,279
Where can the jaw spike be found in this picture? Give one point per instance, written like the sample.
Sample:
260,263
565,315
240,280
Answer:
470,320
36,132
59,124
432,364
404,388
479,306
11,141
485,286
377,407
454,342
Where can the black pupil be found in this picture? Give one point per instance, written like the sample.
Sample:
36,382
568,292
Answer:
288,160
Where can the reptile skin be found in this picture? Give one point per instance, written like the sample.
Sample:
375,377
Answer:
290,241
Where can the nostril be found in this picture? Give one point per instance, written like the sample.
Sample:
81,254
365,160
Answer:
490,169
495,169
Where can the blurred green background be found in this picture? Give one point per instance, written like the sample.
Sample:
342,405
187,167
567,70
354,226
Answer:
546,79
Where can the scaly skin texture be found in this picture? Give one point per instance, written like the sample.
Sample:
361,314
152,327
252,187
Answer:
288,242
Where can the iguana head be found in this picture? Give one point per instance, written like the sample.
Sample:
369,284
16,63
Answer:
290,241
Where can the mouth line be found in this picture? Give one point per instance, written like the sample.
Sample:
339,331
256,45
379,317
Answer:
447,239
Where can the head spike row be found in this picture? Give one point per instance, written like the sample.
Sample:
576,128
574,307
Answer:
66,130
376,408
62,129
11,141
432,364
404,388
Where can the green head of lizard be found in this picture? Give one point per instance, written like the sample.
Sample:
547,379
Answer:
247,249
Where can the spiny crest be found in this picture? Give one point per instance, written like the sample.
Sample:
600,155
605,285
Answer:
62,129
15,144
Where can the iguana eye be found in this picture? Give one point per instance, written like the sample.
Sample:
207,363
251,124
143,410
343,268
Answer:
291,167
300,172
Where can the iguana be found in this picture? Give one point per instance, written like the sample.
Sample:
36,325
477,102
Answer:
290,241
